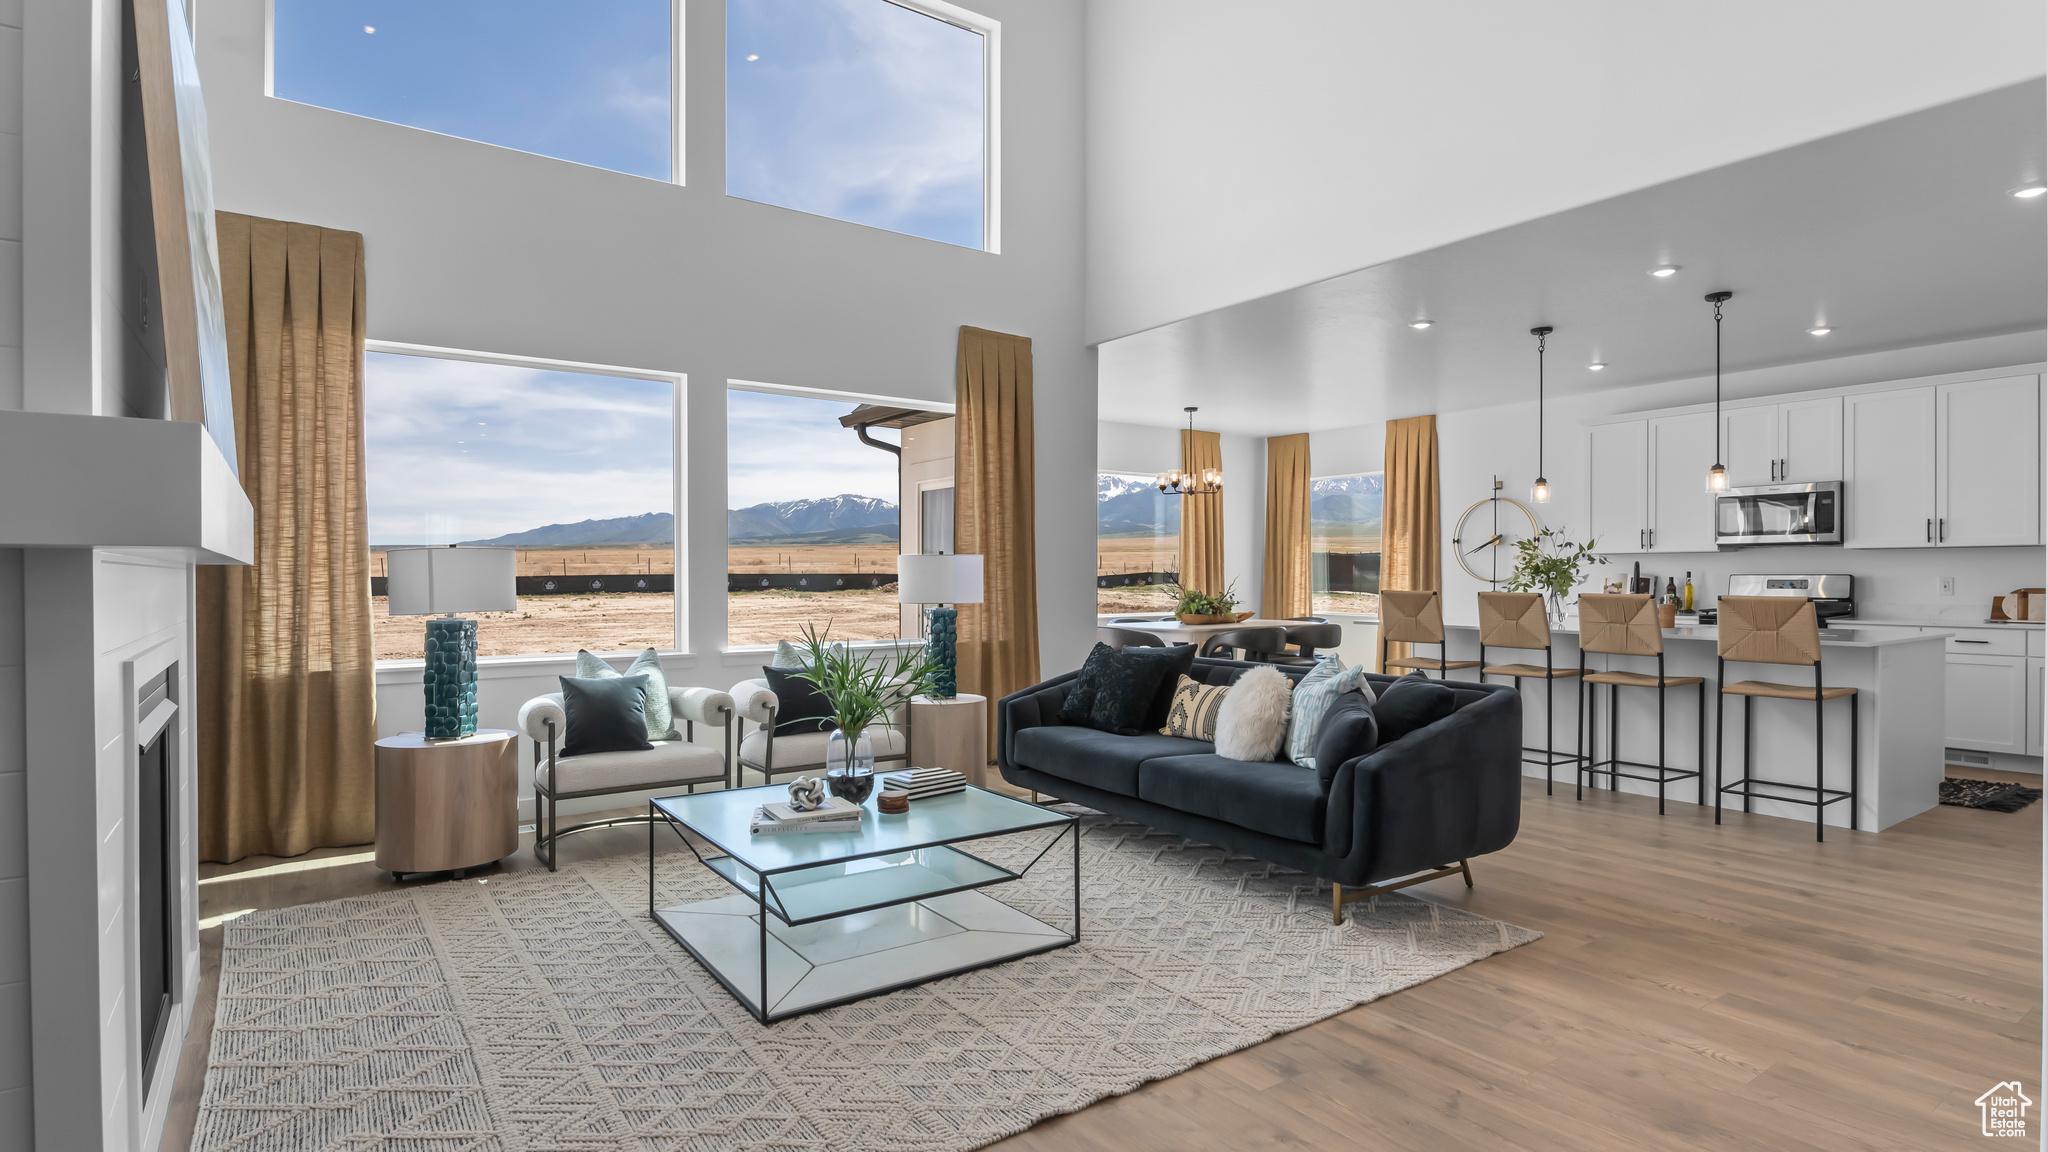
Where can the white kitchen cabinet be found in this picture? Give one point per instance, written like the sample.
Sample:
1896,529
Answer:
2035,686
1888,469
1810,441
1987,703
1749,445
1988,462
1617,494
1681,508
1799,442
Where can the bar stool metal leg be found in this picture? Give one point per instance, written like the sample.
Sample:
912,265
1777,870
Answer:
1820,809
1748,749
1660,745
1703,744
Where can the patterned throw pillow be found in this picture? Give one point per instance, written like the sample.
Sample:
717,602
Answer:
1193,713
1319,689
661,722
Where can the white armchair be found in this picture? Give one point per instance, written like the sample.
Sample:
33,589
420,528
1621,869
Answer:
669,764
770,752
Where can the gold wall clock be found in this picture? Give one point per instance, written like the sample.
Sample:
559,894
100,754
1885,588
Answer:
1485,538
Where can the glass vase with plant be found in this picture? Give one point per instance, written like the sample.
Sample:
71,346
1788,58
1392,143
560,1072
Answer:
864,690
1551,564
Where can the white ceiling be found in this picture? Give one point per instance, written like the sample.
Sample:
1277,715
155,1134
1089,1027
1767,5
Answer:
1897,234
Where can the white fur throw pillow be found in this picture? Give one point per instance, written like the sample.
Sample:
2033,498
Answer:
1253,720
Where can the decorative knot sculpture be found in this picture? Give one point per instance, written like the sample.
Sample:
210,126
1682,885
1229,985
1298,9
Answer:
806,793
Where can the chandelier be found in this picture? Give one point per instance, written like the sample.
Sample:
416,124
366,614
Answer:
1207,482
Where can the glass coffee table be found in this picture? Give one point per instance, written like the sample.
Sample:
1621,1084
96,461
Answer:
823,918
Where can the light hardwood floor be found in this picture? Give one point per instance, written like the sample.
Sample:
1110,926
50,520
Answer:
1697,987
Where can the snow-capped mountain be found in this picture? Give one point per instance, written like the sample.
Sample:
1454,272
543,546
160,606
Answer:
842,513
1346,503
1134,504
646,528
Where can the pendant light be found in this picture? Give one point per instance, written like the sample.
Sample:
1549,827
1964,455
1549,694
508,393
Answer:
1539,492
1717,476
1207,482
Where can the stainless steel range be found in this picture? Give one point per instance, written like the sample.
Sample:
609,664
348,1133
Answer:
1833,594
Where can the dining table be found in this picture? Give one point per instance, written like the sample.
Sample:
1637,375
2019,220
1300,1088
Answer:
1172,632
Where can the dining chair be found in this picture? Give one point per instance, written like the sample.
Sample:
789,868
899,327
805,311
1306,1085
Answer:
1127,638
1260,645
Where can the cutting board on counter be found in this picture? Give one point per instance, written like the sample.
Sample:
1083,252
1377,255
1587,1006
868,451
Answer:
2021,604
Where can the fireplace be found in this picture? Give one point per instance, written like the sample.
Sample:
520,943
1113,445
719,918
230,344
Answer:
156,866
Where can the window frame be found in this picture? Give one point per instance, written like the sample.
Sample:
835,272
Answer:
678,383
676,91
950,408
991,32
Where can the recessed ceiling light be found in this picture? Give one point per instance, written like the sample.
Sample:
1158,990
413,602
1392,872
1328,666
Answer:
2028,190
1820,330
370,28
1595,367
1419,324
1663,270
753,58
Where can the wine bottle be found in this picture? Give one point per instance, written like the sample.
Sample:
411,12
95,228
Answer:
1688,592
1670,591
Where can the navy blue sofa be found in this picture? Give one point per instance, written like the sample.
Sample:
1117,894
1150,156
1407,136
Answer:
1425,803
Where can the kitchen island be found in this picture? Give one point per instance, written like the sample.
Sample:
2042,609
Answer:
1901,682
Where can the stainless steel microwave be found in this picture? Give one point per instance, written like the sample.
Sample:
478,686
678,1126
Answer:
1779,514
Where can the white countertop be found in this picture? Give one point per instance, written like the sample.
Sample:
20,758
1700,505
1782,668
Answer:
1829,637
1980,622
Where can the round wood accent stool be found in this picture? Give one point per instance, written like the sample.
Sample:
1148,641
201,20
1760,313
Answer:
951,732
444,805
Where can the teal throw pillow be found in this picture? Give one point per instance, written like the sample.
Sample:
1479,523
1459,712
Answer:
1318,690
661,721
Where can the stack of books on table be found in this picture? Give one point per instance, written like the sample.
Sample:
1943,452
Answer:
925,782
837,814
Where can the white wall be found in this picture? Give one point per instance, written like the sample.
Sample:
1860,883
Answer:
17,1114
1235,150
475,247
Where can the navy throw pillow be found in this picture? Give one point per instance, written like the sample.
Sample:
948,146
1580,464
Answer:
799,706
607,715
1080,699
1349,730
1180,661
1124,690
1410,704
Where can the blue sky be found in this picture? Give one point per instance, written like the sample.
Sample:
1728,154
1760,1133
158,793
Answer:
587,82
856,109
860,110
792,448
463,451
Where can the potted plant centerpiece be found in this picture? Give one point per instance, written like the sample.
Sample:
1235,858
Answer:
1549,563
864,691
1197,607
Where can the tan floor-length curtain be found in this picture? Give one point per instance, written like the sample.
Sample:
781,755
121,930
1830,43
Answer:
287,705
1287,590
994,515
1411,558
1201,517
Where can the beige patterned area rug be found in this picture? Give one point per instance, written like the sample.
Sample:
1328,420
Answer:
536,1011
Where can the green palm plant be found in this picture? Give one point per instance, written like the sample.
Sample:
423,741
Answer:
865,692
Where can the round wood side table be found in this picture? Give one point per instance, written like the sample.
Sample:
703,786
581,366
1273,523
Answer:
951,732
446,805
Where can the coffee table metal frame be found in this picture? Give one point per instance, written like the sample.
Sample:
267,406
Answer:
768,901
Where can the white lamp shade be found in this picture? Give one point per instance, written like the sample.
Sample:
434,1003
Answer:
924,579
436,581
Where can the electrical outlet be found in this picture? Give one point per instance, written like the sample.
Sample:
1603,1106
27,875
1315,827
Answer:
1948,585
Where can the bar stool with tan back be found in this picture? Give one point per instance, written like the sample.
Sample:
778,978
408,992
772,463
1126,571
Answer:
1779,630
1516,620
1416,618
1621,625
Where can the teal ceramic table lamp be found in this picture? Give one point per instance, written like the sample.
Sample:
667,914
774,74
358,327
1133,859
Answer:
940,580
440,582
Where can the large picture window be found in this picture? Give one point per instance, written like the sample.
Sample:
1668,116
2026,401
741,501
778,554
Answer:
811,522
862,110
1137,544
1344,542
576,470
588,83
